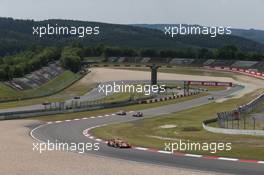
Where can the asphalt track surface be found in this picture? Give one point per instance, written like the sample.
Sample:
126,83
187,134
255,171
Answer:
92,95
72,132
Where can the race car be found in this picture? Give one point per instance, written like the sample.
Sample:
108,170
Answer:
211,98
118,143
121,113
77,98
138,114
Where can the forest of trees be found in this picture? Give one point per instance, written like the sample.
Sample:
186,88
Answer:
71,57
25,62
16,36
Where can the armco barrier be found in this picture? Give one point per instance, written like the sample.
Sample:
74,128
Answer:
232,131
229,115
31,113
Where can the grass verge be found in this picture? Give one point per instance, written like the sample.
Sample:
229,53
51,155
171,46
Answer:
188,127
113,110
59,83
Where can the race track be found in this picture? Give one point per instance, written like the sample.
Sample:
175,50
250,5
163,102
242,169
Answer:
72,132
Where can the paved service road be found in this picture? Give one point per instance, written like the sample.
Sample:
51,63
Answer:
72,132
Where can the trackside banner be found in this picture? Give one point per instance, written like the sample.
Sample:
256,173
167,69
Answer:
210,83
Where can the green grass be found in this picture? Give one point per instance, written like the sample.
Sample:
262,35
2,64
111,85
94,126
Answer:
113,110
147,132
77,89
248,124
7,92
120,97
54,85
59,83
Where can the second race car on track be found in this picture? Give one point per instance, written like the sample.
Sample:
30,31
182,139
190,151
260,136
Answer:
121,112
118,143
138,114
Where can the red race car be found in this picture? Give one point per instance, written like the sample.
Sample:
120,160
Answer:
118,143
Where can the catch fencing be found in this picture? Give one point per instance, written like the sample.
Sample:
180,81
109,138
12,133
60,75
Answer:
240,117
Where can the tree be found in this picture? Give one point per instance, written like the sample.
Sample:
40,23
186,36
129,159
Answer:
71,62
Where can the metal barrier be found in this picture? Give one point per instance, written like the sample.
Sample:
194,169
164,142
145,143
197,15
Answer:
238,118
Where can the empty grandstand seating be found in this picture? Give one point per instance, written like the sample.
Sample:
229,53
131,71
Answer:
121,59
36,78
208,62
244,64
222,63
181,61
159,60
112,59
145,60
198,62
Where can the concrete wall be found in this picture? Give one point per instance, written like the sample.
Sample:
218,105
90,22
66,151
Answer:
233,131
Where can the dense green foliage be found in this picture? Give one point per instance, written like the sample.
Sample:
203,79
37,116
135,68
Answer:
252,34
21,52
25,62
71,57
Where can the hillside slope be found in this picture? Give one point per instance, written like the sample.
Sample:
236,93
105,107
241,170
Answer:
16,35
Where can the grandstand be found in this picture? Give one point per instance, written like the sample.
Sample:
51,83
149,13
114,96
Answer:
208,62
244,64
160,60
121,59
36,78
181,61
188,62
112,59
222,63
145,60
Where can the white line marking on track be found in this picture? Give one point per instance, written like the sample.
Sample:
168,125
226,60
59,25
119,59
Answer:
193,155
99,116
67,120
84,118
141,148
31,132
92,117
58,121
262,162
165,152
229,159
